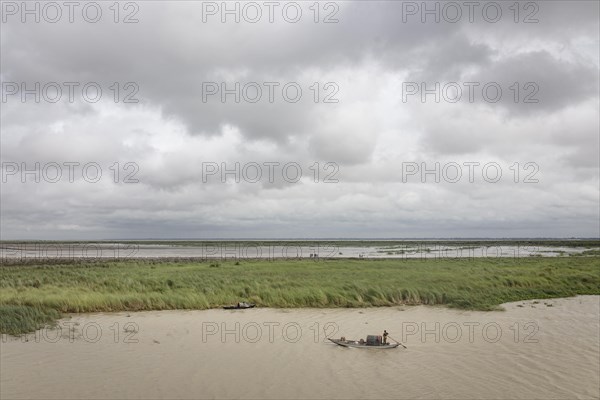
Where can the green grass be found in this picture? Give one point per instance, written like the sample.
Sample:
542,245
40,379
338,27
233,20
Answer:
31,292
15,320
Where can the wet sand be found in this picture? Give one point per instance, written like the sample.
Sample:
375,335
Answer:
544,350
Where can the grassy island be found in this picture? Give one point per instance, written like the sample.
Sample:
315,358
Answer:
36,293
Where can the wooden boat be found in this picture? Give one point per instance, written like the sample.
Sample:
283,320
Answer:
364,345
239,306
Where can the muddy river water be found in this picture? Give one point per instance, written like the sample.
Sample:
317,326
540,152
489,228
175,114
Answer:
534,349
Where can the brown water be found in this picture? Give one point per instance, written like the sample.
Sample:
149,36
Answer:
548,349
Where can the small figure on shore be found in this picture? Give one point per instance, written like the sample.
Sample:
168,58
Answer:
385,335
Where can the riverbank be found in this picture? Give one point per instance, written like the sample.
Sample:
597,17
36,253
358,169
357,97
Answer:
33,295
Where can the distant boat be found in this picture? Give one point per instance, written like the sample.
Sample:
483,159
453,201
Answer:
240,306
373,342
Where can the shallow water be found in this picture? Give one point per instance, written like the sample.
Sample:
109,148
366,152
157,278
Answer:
548,349
225,250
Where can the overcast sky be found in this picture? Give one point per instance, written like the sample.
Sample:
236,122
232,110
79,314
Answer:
369,134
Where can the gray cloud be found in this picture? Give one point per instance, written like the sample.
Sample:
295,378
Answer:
369,133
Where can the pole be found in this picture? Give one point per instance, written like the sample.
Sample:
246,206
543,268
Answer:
397,341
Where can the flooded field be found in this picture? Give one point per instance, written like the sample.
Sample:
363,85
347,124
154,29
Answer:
547,349
248,250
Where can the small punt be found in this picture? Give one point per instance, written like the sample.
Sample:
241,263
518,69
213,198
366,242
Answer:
241,306
356,344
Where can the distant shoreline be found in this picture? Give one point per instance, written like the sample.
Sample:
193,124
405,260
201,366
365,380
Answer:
63,252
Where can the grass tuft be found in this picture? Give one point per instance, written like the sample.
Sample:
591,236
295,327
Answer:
16,320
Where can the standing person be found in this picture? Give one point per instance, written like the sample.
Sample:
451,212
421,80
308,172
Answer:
385,335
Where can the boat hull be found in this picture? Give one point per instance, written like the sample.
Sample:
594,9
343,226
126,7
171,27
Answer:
238,307
357,345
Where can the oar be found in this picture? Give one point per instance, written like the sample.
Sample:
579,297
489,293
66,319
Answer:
397,341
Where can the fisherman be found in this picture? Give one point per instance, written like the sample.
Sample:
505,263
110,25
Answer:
385,335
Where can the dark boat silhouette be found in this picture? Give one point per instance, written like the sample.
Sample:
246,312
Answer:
240,306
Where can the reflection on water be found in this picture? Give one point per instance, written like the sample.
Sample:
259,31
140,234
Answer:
546,349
